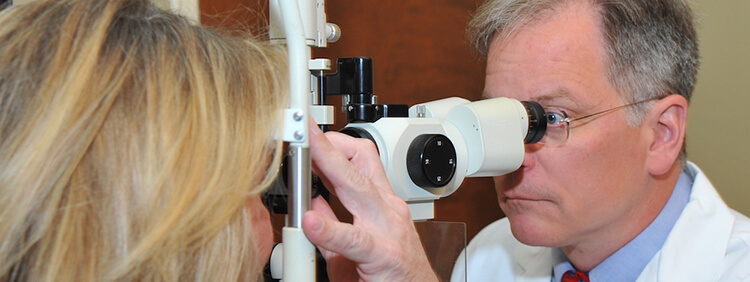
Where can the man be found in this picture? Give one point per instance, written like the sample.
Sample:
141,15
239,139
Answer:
608,195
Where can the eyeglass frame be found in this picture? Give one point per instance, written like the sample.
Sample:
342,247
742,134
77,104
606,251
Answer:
568,119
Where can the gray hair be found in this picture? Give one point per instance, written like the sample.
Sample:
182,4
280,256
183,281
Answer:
651,45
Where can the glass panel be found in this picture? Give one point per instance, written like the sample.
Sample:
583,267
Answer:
443,243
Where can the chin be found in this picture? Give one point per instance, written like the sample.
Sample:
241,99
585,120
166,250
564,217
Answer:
532,232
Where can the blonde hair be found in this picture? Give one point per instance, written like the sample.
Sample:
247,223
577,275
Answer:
131,140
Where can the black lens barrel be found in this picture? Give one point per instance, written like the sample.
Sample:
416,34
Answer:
537,122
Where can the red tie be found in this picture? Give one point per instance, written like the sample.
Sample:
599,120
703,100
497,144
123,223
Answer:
575,276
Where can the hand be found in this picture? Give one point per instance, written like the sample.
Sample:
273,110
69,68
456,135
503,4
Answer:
381,244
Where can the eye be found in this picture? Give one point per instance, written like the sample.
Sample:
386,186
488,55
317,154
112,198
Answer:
555,118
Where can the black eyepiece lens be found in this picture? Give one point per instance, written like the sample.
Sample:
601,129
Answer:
537,122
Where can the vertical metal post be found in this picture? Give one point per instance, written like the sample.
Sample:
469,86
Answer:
299,188
298,252
301,24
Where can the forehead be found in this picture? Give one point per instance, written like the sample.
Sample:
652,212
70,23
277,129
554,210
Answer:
557,57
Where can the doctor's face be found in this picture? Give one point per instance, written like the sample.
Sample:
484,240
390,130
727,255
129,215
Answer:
562,196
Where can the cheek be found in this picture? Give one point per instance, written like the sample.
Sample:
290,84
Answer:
589,165
600,171
262,229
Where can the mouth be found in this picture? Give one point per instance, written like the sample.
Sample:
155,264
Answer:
515,204
510,189
507,197
507,200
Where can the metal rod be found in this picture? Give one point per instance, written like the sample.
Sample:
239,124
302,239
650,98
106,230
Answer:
299,186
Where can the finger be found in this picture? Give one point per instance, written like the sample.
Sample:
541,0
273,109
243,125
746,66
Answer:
321,205
336,237
355,190
363,154
327,254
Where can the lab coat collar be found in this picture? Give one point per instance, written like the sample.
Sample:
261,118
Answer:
702,231
535,263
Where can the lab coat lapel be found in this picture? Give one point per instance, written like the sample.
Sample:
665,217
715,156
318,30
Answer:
695,252
534,263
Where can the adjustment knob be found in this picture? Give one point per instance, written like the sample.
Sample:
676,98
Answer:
431,160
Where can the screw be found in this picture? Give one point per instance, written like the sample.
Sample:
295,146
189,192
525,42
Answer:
298,116
299,135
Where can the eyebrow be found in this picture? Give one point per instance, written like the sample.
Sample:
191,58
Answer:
556,94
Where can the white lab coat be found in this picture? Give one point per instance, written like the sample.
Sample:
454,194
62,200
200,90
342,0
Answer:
709,242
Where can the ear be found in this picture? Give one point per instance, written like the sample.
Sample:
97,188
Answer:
668,123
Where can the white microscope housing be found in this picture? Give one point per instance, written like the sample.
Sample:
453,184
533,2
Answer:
428,154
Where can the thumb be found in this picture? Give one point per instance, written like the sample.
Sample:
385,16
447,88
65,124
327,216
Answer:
340,238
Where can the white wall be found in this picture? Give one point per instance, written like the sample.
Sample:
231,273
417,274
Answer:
187,8
719,122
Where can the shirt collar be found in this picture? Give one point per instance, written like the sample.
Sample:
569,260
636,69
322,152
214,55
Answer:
561,267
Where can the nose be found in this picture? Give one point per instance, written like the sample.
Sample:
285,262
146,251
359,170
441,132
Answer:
529,157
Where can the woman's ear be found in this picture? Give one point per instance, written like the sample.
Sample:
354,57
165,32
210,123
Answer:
668,121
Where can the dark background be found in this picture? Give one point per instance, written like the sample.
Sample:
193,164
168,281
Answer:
419,53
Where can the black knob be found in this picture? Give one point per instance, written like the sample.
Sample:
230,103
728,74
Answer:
431,160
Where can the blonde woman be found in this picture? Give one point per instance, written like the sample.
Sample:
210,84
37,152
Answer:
134,145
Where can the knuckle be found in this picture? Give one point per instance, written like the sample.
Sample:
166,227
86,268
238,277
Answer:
367,145
400,207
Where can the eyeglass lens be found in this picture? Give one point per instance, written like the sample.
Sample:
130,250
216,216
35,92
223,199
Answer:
557,128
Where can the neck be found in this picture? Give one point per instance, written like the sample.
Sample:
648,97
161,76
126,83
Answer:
600,245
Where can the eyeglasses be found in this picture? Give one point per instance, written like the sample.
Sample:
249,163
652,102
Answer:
558,123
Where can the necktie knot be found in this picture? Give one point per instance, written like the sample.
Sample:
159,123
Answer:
575,276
